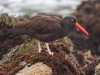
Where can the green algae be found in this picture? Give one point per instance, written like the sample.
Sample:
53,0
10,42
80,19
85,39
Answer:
28,45
7,21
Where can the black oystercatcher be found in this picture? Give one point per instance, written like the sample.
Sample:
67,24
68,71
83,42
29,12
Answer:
46,28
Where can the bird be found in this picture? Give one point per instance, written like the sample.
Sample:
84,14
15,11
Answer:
46,28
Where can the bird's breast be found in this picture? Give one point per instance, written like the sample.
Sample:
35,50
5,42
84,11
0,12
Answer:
47,37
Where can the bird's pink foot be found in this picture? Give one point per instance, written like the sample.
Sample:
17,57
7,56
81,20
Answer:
39,46
39,50
51,53
48,49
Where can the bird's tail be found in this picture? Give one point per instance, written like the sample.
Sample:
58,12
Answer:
19,31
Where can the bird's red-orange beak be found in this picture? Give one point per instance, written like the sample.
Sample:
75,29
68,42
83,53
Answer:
81,28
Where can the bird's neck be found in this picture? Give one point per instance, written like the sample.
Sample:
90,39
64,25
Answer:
66,29
65,32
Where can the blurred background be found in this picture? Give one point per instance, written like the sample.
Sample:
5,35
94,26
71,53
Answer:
19,7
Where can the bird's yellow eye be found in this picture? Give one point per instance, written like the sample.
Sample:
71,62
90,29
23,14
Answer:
72,20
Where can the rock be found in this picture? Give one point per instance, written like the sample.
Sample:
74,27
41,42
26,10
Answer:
37,69
97,69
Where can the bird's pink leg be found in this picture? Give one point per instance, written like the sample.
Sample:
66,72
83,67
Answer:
48,49
39,46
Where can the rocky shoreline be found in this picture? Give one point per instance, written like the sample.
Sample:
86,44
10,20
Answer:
19,56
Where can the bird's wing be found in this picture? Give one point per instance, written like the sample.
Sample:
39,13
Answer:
37,25
45,24
21,28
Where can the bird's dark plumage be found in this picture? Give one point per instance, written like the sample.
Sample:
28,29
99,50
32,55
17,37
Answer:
43,28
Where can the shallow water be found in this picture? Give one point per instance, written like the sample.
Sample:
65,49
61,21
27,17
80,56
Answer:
19,7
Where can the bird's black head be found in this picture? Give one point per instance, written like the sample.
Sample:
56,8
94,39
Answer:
69,22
